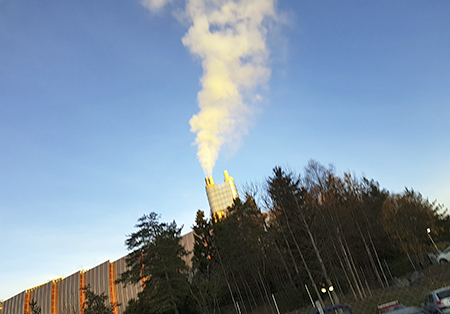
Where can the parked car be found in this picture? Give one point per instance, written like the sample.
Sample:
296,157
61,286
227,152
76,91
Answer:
438,301
444,256
338,308
396,307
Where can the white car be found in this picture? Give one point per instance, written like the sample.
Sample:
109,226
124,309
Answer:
438,301
396,307
444,256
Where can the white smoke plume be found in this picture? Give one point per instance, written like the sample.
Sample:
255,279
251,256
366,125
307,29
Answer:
229,36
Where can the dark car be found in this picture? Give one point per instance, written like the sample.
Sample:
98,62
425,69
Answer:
338,308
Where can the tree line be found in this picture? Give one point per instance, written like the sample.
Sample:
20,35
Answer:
295,239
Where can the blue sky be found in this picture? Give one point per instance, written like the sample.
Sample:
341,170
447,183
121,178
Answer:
96,99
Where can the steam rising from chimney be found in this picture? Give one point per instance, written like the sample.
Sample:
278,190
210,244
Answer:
229,37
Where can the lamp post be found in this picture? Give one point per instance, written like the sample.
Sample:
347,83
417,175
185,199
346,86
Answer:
429,235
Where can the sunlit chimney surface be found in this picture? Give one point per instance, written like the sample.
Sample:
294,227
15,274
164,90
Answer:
220,196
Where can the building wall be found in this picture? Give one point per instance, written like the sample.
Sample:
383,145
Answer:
124,293
64,296
98,279
112,286
69,294
187,241
45,297
15,305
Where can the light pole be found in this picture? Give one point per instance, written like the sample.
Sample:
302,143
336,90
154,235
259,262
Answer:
429,235
324,290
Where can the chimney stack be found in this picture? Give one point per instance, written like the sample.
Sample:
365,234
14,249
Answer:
221,196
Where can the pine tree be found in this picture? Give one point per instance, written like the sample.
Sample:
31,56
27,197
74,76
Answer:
156,263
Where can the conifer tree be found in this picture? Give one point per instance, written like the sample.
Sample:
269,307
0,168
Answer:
96,303
156,262
34,308
208,282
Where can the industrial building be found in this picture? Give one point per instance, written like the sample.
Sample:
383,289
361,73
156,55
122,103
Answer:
64,295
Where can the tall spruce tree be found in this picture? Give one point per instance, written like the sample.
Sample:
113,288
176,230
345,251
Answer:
208,283
204,252
156,262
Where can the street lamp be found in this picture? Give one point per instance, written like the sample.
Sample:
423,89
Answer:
324,290
429,235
